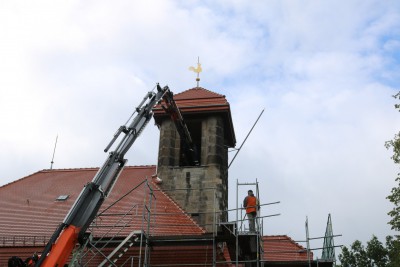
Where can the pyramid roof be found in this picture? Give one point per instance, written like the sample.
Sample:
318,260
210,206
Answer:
197,102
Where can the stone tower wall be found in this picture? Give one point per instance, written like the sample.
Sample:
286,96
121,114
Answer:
199,190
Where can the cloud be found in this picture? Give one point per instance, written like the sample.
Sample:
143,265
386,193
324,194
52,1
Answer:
323,71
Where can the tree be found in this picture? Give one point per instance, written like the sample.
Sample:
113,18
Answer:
355,256
393,247
374,255
394,196
377,253
393,243
347,258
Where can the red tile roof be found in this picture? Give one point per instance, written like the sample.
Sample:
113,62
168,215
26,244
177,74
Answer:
198,101
29,207
283,248
29,213
199,93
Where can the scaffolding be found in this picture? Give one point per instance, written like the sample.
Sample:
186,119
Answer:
328,251
130,238
328,248
255,254
116,226
126,233
117,238
127,237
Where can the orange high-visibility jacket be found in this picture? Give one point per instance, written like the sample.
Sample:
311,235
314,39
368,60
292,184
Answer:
250,203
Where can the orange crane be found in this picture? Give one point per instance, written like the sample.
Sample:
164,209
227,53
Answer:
72,231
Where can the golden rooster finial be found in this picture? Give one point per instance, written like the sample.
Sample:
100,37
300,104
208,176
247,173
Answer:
197,70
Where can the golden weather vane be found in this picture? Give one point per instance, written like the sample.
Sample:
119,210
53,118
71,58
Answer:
197,70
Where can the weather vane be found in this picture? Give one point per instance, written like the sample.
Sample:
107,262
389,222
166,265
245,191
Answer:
197,70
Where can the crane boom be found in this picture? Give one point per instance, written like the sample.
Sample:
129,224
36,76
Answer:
190,150
72,230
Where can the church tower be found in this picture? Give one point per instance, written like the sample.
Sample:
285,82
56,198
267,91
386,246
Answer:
202,188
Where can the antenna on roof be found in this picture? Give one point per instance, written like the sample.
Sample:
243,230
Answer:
54,151
197,70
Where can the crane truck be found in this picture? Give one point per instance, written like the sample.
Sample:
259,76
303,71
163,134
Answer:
72,231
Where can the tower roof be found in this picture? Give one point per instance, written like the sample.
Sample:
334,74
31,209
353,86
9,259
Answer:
199,101
198,93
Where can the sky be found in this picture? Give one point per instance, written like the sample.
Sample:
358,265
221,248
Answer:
323,71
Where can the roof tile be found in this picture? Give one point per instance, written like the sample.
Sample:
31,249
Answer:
283,248
29,206
197,93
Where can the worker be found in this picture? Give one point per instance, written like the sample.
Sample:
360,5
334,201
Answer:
250,203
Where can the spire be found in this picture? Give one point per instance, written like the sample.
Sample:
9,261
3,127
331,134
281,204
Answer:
197,70
328,251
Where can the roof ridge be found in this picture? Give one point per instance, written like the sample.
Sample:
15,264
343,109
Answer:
71,170
127,166
95,168
294,242
23,178
286,237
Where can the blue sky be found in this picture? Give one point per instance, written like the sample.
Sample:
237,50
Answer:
324,71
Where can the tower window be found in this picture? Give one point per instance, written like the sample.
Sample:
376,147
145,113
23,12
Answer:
188,157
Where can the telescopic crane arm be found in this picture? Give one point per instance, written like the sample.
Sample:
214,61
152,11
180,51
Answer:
72,230
170,107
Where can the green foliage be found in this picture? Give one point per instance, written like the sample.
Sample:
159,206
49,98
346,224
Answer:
374,255
356,256
347,258
360,255
394,196
393,248
377,253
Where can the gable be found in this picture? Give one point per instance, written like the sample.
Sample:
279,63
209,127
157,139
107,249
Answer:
30,210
